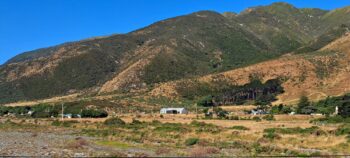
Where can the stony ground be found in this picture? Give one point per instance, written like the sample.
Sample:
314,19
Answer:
33,144
18,143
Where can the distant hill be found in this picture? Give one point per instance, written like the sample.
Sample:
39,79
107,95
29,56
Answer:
185,47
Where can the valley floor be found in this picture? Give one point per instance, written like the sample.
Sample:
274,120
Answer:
171,135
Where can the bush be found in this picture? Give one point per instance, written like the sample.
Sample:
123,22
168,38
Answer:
221,113
343,130
115,121
134,121
44,111
271,134
281,109
256,118
333,119
344,110
39,114
305,106
156,122
234,118
191,141
297,130
170,127
64,124
56,123
239,128
205,127
93,113
4,110
206,101
269,117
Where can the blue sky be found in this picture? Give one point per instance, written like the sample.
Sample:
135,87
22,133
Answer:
30,24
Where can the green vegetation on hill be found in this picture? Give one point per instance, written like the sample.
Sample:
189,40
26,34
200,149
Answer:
34,54
47,110
182,47
223,93
326,106
283,26
325,39
84,71
205,42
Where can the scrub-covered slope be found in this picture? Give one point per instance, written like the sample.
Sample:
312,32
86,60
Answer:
183,47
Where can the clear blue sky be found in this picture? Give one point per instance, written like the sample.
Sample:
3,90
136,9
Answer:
30,24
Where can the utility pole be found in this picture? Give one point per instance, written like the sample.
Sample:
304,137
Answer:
196,110
62,112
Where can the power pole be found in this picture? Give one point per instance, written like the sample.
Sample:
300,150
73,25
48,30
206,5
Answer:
196,110
62,112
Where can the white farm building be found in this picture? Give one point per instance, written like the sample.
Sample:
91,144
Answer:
173,111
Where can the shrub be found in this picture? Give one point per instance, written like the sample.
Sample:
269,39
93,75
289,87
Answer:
344,110
271,135
64,124
206,101
297,130
115,121
333,119
205,127
191,141
305,106
4,110
221,113
239,128
68,123
343,130
38,114
269,117
170,127
234,118
56,123
256,118
93,113
134,121
155,122
281,109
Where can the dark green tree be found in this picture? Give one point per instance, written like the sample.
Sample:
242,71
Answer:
303,104
344,110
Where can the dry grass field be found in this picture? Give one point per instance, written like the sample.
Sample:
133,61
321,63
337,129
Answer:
151,134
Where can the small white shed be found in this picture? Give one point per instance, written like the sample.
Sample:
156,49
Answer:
173,111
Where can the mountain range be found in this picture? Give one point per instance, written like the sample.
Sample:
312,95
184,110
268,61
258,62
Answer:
307,48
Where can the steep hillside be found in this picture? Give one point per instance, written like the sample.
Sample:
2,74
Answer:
195,44
282,25
324,39
179,48
318,74
335,17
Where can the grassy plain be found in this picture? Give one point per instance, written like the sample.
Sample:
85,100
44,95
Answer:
191,135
